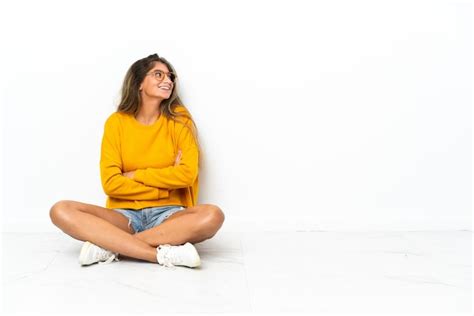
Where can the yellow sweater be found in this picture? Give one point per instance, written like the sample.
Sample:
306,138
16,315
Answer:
128,145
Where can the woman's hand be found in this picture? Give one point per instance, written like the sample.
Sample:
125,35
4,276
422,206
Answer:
129,174
178,158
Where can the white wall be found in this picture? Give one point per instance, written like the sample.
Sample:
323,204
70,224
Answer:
313,115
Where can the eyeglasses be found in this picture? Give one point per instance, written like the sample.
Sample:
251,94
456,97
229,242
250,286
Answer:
160,75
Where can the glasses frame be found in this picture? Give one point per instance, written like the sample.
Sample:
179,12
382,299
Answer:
166,74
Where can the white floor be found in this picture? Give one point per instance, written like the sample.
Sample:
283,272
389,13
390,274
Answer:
416,273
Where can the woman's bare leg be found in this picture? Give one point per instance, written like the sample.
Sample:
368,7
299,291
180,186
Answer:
88,227
193,224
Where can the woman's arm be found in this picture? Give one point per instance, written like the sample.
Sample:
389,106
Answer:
183,174
130,174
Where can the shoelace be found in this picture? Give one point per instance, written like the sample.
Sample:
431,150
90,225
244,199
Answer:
113,257
167,255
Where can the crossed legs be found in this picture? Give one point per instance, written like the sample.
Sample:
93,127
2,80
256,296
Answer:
109,229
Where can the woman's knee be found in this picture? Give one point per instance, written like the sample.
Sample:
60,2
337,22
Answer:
215,213
61,211
214,217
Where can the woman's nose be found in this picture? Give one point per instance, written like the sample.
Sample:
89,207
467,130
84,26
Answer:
168,80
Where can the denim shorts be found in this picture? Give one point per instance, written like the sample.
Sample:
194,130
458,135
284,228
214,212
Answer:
148,217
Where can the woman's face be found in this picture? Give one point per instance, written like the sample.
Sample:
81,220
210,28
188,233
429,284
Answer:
153,87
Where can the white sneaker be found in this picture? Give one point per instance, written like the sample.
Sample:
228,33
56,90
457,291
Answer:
182,255
91,253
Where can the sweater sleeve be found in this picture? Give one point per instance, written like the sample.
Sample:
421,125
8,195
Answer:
179,176
113,182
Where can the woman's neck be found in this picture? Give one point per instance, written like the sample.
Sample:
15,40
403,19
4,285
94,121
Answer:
149,112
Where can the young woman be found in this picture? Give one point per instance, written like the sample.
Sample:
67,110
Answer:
149,171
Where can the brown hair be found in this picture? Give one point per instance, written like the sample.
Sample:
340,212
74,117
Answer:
131,99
